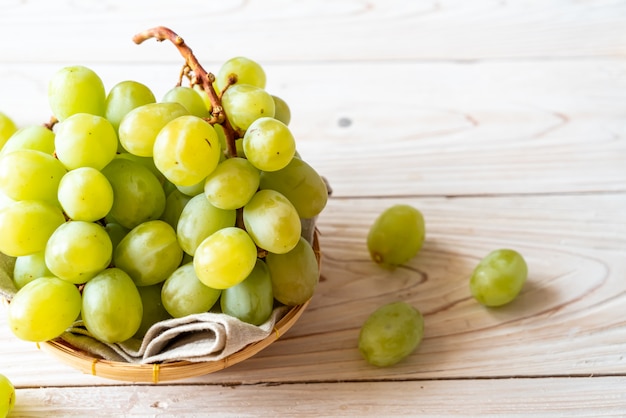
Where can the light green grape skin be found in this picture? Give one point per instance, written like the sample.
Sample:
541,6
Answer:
390,334
28,268
189,98
137,194
200,219
174,204
78,250
85,140
76,89
282,111
184,294
149,253
30,175
294,274
301,184
396,235
193,190
246,70
139,128
112,309
85,194
204,96
124,97
225,258
34,137
269,144
43,309
153,309
27,225
146,162
186,150
499,277
252,300
232,184
7,128
7,396
272,221
244,103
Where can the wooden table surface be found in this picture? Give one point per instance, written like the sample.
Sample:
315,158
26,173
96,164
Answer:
503,121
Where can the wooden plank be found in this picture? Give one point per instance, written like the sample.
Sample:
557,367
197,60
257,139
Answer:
316,31
424,129
555,397
568,319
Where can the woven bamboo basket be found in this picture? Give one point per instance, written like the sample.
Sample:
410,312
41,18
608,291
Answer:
176,370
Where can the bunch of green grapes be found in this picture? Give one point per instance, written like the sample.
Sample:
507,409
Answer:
130,210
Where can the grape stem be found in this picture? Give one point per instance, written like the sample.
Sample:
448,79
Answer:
202,77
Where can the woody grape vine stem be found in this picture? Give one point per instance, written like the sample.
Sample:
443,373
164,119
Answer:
202,77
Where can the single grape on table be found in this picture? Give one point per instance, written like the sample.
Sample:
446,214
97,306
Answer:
499,277
7,396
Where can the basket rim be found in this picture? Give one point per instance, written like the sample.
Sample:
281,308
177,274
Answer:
174,370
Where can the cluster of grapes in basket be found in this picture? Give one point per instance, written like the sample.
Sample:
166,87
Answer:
126,210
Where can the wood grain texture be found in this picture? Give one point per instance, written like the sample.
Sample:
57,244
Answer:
344,30
604,397
504,122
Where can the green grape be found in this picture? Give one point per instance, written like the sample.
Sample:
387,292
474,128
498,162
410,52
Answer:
124,97
34,137
232,184
396,235
153,309
294,274
139,128
28,268
149,253
76,89
186,150
43,309
390,334
272,222
78,250
27,225
7,396
184,294
204,96
85,140
244,69
193,190
5,200
282,111
244,103
7,128
198,220
30,175
146,162
174,204
137,194
112,309
251,300
300,183
189,98
268,144
116,233
499,277
225,258
85,194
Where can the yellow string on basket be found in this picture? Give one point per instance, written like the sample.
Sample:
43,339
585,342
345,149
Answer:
93,367
277,333
155,373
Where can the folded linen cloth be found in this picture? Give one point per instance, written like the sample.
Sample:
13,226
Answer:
196,338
